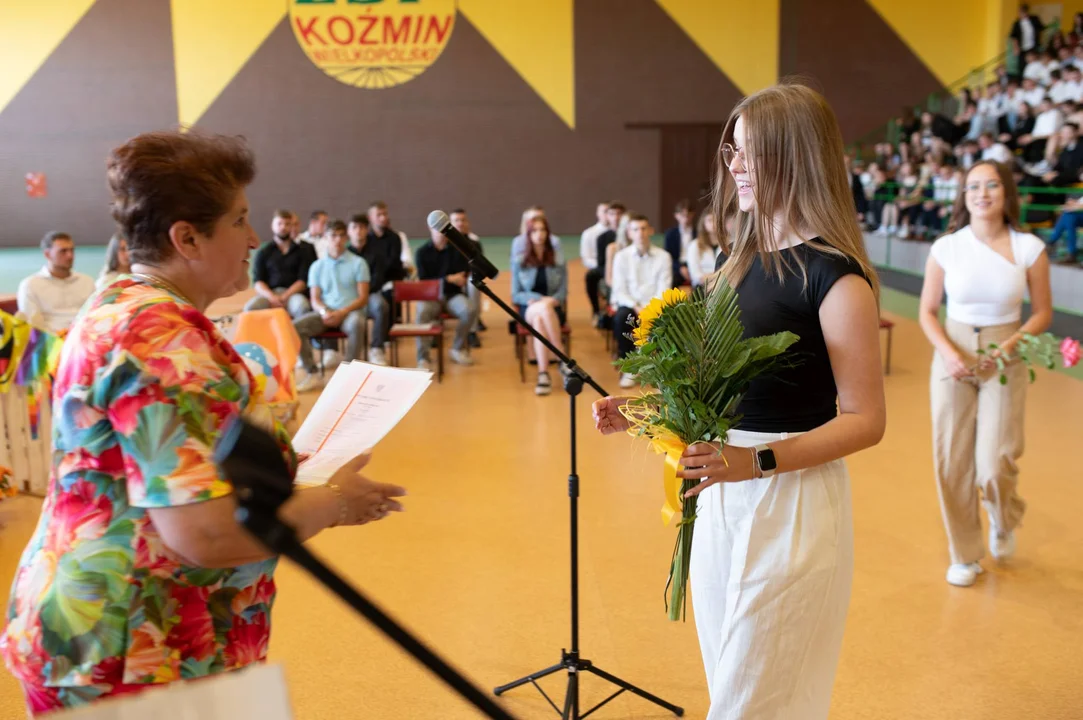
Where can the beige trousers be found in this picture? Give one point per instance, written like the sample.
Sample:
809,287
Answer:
977,439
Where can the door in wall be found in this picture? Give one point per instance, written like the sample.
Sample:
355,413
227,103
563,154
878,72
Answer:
688,161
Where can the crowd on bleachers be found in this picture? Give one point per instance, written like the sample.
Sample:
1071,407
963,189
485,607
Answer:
1030,121
338,281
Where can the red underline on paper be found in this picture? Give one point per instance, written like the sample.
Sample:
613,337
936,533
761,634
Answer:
343,413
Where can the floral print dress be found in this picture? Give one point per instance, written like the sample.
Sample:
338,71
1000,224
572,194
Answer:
99,605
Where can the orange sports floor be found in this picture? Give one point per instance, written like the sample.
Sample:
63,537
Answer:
478,565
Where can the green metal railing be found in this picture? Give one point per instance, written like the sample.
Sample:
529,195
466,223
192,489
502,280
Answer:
945,101
889,192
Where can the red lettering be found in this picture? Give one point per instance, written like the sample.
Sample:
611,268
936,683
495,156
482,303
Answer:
392,34
309,30
417,29
349,29
441,32
369,22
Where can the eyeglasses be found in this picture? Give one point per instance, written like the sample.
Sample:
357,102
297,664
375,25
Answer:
730,153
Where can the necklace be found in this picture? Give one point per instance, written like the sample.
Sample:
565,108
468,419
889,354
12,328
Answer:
162,284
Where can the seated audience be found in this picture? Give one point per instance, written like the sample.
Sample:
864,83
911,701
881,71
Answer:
703,251
678,238
539,286
280,270
588,253
340,288
117,261
51,298
641,272
317,229
520,243
395,243
461,222
377,307
437,260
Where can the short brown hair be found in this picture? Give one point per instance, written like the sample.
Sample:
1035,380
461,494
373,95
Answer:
336,226
160,178
617,206
284,214
359,219
638,217
51,237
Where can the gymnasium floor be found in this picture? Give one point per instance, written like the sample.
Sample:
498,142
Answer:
478,565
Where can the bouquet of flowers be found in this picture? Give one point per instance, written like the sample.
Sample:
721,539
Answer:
1043,348
690,348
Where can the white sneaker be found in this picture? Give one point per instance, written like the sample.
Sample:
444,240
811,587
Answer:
310,382
461,357
377,357
1001,545
962,575
331,359
545,384
627,380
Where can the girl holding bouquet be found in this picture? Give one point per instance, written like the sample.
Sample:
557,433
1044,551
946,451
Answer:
772,553
986,264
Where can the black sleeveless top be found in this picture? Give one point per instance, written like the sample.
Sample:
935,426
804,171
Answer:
803,397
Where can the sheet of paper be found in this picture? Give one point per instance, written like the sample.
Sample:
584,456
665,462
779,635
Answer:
357,408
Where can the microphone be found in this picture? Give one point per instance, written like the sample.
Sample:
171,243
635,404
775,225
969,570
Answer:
250,458
479,264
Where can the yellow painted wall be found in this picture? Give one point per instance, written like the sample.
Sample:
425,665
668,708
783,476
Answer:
966,34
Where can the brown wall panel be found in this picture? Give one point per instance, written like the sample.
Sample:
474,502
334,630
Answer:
866,72
111,78
469,131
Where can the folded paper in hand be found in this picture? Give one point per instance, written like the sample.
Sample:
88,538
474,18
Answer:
357,408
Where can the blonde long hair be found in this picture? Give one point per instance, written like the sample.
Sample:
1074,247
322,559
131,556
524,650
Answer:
796,151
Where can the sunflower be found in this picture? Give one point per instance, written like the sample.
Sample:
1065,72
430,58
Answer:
653,311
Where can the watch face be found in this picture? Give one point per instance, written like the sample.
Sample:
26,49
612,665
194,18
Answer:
767,460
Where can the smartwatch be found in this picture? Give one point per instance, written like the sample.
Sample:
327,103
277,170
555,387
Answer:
765,461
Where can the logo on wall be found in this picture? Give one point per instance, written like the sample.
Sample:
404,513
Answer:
372,43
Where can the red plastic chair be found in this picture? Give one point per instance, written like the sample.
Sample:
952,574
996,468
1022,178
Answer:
409,291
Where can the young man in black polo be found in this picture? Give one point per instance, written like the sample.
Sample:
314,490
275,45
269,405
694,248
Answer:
437,260
280,270
461,222
377,306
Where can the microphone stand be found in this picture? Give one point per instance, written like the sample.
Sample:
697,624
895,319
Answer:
570,659
258,514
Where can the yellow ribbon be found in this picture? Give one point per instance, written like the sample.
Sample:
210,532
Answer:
662,441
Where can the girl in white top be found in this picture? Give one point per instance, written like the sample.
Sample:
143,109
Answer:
985,265
116,261
701,252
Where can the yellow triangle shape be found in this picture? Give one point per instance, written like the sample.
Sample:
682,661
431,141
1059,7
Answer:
536,37
212,40
30,30
741,39
948,57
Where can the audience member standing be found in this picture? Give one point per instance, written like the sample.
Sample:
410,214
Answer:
641,272
280,270
52,298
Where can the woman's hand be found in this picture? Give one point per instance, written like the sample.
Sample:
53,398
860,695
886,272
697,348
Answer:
607,415
702,461
957,368
365,500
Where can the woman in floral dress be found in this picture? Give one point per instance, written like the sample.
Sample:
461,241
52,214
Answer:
137,574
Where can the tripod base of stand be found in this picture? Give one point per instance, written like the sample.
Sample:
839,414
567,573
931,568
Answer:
574,665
